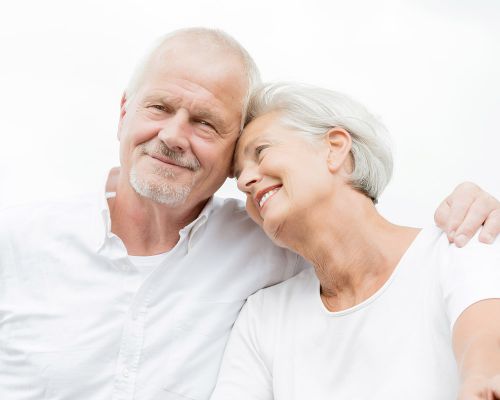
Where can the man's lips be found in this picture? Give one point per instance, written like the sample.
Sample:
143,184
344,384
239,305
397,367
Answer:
265,194
169,161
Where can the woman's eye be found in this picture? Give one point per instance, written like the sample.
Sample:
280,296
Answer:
260,149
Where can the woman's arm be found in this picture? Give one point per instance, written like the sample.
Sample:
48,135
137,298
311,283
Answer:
244,374
476,343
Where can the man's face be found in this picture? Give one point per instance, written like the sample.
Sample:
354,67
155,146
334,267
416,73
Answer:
178,133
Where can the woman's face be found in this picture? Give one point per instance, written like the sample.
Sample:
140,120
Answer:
283,173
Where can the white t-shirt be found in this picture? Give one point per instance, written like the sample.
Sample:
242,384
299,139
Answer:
397,344
146,264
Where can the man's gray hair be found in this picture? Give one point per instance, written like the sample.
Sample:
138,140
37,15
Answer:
213,36
313,111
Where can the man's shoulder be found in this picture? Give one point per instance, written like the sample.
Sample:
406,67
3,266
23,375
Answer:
229,207
283,295
231,214
48,213
232,232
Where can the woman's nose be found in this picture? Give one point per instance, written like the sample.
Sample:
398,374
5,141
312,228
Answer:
248,177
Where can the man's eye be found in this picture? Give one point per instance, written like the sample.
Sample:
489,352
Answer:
206,125
159,107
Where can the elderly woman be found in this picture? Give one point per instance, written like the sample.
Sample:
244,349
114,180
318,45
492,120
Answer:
387,311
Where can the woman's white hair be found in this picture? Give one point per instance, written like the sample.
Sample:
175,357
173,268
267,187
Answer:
314,111
212,36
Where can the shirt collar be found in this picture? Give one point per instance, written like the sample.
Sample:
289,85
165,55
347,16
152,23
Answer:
194,227
103,229
103,225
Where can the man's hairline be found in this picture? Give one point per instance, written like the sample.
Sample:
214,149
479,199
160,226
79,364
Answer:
244,58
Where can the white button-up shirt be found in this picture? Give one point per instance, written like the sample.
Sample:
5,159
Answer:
78,320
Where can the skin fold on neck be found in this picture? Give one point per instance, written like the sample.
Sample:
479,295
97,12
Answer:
353,249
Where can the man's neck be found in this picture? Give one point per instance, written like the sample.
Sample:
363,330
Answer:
147,227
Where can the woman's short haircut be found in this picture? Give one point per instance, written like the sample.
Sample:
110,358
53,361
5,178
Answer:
313,111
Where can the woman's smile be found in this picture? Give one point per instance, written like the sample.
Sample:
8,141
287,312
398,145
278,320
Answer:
264,195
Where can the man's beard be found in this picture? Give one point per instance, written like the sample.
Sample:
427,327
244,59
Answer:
163,189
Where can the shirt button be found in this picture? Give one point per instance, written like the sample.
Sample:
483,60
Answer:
125,372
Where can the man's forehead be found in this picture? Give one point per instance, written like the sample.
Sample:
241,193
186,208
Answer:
198,55
222,79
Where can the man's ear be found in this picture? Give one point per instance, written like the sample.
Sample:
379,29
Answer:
339,144
123,111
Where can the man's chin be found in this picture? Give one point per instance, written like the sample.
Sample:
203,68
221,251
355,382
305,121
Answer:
166,193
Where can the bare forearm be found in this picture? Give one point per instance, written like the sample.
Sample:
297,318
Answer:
480,357
476,343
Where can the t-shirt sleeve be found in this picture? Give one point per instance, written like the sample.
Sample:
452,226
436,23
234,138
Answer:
469,275
244,374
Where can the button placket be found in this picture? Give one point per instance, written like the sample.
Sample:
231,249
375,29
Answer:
133,333
128,359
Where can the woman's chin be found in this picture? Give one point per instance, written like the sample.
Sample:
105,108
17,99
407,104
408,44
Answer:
274,230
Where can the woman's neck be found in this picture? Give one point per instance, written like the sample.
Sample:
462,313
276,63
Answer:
354,250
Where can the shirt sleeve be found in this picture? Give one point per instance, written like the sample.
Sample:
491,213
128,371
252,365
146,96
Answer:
245,374
6,251
468,275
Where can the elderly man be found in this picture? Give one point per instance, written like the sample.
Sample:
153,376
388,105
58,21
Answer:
132,295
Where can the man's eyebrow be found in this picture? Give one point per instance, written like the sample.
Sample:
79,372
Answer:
161,97
198,113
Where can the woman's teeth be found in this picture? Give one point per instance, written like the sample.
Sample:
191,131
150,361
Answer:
267,196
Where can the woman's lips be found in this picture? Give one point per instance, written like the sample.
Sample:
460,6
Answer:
264,195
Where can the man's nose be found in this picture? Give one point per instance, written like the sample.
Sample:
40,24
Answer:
175,131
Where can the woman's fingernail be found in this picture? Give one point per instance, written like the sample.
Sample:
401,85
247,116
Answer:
461,240
487,238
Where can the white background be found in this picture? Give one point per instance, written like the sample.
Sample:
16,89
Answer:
430,69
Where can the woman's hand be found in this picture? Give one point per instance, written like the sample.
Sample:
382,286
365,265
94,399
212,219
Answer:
479,388
463,212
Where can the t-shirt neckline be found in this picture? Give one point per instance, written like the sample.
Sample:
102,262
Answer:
402,264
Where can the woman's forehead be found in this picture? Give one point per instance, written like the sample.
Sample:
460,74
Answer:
262,124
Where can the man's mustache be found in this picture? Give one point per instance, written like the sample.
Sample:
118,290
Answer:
161,149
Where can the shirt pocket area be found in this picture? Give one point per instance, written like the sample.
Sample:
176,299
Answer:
74,374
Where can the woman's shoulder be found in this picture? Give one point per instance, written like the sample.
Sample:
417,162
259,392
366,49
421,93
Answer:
464,275
433,243
448,254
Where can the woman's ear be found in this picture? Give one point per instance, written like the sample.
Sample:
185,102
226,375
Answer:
339,144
